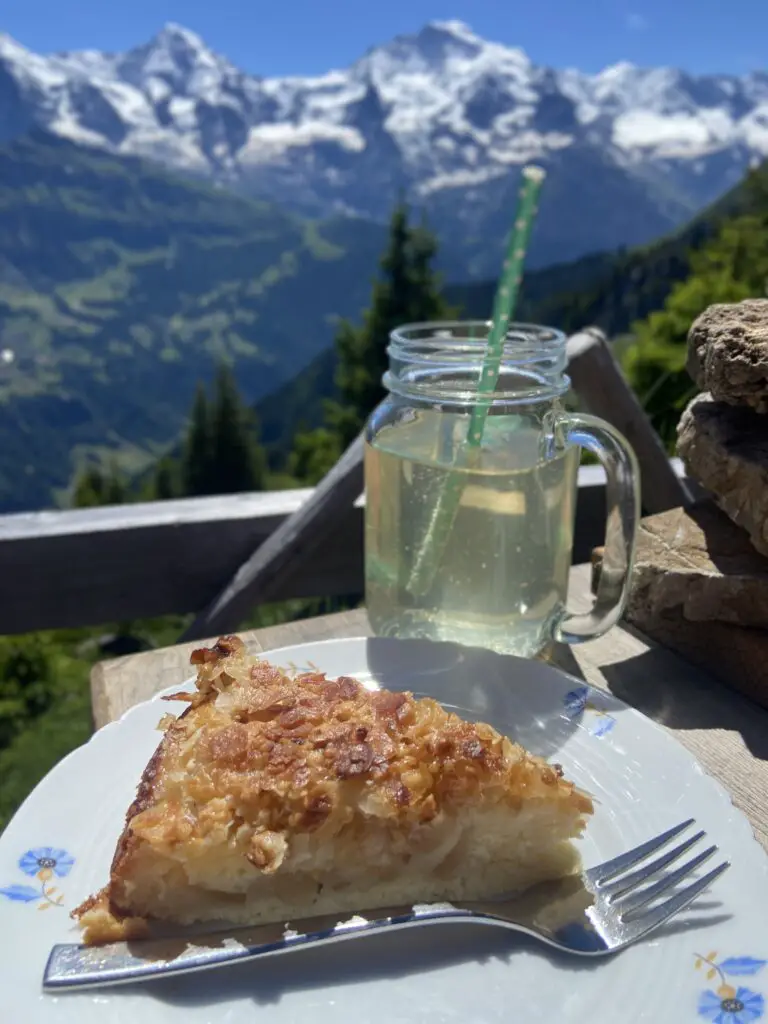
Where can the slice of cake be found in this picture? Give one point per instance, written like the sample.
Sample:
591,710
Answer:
274,798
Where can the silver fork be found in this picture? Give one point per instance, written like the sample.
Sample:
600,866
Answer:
598,912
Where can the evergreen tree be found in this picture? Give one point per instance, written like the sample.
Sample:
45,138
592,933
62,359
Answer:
406,291
97,486
426,298
314,452
237,460
197,455
89,488
116,487
732,267
756,193
220,453
165,483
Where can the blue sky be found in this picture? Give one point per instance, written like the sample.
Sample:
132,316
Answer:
310,36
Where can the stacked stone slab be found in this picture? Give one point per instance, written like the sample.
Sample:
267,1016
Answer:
723,434
728,353
700,582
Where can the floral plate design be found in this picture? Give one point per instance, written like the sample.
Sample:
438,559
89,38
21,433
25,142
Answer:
730,1003
42,864
708,965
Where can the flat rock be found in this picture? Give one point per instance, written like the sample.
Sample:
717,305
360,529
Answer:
700,589
695,561
725,449
728,353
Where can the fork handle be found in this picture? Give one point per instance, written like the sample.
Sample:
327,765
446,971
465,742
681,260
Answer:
72,966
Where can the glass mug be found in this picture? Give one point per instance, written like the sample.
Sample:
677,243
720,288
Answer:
473,543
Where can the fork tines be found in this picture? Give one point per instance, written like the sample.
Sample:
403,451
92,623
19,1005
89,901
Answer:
626,895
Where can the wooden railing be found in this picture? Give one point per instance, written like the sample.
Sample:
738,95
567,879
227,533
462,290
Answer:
222,556
91,566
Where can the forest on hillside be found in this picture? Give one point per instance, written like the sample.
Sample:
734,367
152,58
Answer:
44,700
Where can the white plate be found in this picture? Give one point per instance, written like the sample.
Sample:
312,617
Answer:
701,967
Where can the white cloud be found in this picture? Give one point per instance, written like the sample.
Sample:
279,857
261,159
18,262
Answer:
636,23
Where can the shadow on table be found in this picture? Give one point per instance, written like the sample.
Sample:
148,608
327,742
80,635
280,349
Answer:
563,658
389,958
686,699
376,958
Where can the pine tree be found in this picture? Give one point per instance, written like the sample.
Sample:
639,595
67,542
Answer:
237,460
427,301
314,452
165,483
116,488
89,488
221,452
97,486
756,193
732,267
406,291
197,455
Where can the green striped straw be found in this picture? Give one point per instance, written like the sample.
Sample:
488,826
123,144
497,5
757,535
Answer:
445,508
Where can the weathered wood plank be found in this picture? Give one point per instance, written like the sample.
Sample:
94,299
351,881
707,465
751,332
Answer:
91,566
293,544
600,384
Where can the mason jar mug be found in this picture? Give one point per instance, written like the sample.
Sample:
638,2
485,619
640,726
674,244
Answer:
470,479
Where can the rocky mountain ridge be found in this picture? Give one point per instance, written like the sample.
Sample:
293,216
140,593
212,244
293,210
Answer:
442,115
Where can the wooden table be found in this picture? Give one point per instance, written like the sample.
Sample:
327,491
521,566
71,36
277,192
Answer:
725,732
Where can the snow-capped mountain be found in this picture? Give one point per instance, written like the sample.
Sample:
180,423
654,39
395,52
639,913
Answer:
443,115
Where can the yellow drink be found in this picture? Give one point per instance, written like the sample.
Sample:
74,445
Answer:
501,577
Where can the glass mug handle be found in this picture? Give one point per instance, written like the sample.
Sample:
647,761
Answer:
622,494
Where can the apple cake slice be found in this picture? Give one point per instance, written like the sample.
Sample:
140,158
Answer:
273,798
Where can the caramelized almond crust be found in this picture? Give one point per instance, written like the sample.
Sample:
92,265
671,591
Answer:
260,763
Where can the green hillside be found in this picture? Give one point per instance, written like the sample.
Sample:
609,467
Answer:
299,403
121,286
555,295
611,290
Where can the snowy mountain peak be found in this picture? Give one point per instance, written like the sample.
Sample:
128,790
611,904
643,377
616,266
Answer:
456,28
174,35
442,114
444,47
441,37
462,35
9,48
176,56
620,71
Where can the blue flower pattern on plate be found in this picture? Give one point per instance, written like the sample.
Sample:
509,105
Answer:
43,863
581,705
58,861
730,1004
